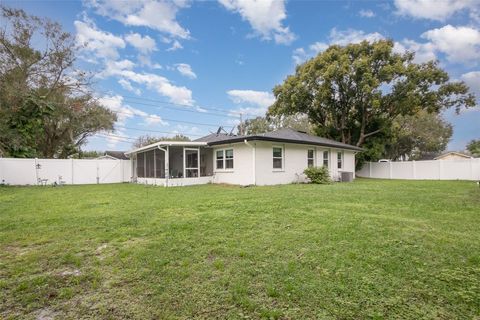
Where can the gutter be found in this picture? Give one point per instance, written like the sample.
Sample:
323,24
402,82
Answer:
254,156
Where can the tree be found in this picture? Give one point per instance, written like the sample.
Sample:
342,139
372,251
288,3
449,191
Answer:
353,93
474,148
266,124
146,140
46,108
415,136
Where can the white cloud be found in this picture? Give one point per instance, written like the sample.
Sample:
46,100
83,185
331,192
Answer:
176,45
342,38
128,86
439,10
102,43
460,44
257,101
472,79
125,112
423,51
124,70
265,17
158,15
366,13
143,44
186,70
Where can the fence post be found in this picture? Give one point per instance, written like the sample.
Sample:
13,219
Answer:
36,171
72,169
440,169
414,168
370,169
98,175
390,169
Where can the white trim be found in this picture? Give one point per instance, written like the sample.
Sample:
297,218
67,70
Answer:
224,160
168,143
185,162
282,158
313,157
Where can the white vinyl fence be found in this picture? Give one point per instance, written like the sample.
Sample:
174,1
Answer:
15,171
468,169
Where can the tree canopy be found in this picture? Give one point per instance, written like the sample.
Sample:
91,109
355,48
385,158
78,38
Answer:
354,93
474,148
267,124
46,105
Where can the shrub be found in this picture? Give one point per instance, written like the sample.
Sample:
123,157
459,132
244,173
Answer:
318,175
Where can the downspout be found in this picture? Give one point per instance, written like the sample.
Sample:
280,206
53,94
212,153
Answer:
167,164
253,160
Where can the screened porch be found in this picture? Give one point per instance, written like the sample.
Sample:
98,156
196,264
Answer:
173,164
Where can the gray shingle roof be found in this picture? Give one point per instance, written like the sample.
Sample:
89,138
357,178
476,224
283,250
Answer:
116,154
282,135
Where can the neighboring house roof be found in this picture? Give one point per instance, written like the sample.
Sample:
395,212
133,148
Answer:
453,153
282,135
115,155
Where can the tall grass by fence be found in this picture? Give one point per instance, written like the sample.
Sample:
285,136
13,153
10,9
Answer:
468,169
15,171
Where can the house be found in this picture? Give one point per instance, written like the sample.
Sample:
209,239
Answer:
113,155
278,157
452,155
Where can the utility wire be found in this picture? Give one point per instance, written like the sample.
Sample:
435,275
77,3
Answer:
177,104
159,131
160,118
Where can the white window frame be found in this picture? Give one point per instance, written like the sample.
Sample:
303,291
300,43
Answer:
282,158
312,158
328,158
340,160
224,160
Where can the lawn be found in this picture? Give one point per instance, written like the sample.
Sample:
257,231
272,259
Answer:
368,249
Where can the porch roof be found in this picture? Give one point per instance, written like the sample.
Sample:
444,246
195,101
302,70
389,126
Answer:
168,143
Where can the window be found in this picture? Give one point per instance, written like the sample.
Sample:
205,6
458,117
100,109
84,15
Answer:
340,160
224,159
219,159
229,159
310,158
325,159
277,158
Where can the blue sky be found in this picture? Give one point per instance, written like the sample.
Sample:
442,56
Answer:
188,67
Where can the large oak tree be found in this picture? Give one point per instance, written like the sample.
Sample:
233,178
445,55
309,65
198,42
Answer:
46,105
353,93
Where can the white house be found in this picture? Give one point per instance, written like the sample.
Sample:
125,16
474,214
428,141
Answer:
278,157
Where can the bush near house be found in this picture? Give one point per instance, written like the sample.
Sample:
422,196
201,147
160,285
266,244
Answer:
318,175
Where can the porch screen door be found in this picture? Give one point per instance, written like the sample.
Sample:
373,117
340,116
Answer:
191,159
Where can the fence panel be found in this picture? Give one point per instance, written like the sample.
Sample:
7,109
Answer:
68,171
468,169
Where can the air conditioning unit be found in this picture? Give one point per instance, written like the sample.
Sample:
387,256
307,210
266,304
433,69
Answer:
346,176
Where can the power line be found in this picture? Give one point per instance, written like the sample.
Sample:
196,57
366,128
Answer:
159,131
160,118
225,115
178,104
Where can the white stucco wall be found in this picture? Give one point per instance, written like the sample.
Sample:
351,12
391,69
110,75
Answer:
295,162
242,172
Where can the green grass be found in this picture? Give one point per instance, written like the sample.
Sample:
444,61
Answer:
369,249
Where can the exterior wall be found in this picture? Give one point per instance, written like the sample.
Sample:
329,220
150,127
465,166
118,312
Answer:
466,169
242,172
295,162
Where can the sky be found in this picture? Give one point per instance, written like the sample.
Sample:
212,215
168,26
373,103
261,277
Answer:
188,67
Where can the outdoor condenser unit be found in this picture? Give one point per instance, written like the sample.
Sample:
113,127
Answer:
346,176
